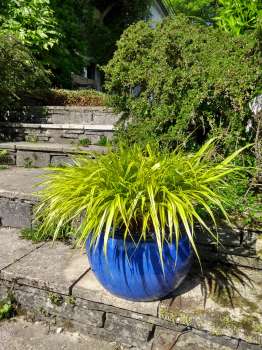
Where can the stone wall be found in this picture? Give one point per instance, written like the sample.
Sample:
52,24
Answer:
59,124
64,115
55,133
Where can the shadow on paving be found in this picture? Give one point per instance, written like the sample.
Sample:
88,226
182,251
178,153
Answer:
219,297
218,280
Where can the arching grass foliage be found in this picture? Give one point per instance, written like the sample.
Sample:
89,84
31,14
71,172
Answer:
138,193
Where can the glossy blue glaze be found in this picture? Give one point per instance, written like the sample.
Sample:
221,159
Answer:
135,273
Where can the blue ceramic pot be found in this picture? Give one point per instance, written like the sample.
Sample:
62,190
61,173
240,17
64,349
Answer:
135,272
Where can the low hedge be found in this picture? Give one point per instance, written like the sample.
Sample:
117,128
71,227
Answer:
59,97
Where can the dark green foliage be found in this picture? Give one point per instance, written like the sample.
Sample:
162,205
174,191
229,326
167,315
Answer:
69,35
20,73
243,201
89,31
183,78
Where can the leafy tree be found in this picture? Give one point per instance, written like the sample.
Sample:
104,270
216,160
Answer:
183,78
30,21
66,37
238,16
89,30
235,16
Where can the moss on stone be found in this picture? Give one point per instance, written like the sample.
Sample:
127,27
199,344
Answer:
248,324
55,299
176,317
181,317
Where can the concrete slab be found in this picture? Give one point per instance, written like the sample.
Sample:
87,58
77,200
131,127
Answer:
166,339
89,288
54,267
225,300
18,333
99,127
51,147
8,145
71,126
38,146
20,180
80,149
13,248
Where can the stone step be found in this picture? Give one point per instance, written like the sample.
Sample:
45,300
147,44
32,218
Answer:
54,282
66,115
26,154
17,198
56,133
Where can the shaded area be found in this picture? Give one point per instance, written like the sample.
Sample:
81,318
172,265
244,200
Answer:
222,298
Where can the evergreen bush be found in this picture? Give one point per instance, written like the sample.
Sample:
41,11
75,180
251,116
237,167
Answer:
183,78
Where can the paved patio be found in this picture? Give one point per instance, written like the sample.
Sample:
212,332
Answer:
219,309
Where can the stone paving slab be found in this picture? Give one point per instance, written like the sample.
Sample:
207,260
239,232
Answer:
71,126
38,146
51,147
54,267
8,145
165,339
226,300
90,289
20,180
12,248
18,334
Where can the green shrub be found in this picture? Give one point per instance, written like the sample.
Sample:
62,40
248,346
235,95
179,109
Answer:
243,201
135,191
20,73
85,142
183,78
104,141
